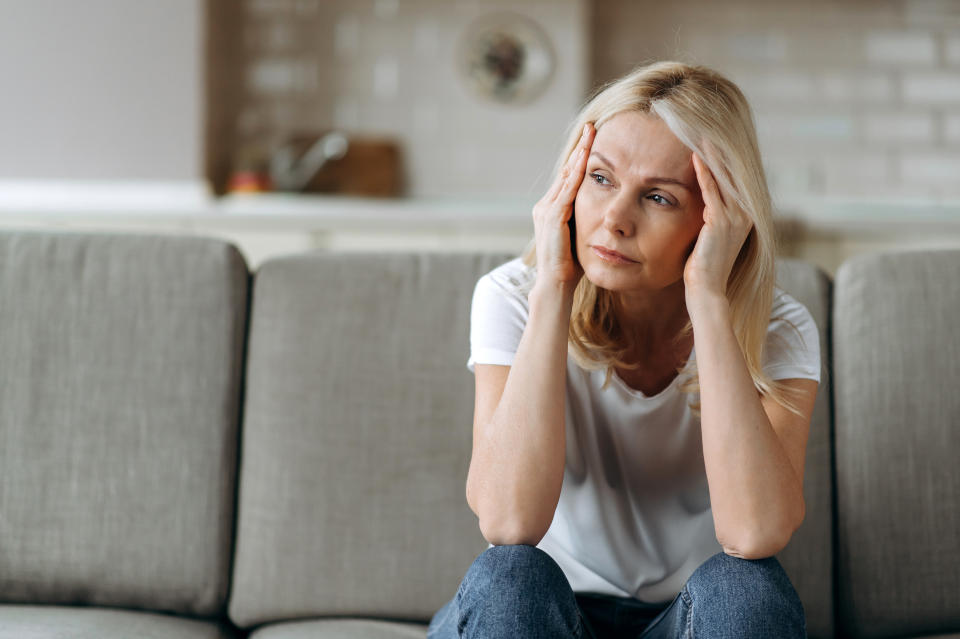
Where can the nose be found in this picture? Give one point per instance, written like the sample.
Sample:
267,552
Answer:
618,217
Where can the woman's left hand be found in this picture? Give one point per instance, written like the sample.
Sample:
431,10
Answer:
725,229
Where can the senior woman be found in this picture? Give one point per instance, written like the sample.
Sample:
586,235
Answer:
643,388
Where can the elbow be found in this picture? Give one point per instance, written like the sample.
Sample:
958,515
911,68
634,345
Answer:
759,542
754,551
759,547
506,524
502,533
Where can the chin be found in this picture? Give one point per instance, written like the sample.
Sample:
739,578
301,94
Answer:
626,278
602,277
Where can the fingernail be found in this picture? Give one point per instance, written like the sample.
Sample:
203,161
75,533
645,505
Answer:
586,128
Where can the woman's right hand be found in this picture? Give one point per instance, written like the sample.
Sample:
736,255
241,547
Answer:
556,264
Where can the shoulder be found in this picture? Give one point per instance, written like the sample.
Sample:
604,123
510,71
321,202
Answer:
786,312
512,280
513,277
792,346
499,313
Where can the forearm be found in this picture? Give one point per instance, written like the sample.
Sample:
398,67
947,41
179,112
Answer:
755,493
517,467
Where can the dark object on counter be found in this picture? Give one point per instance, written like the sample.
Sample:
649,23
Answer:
333,163
249,182
250,173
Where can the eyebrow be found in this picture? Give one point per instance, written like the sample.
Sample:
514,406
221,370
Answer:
656,179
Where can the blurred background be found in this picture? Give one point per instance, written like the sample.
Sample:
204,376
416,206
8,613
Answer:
286,125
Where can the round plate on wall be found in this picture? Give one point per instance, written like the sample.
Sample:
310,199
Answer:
506,57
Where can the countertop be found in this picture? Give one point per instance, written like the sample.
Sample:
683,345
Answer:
189,203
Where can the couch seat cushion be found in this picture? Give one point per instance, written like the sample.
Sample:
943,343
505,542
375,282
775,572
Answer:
70,622
341,629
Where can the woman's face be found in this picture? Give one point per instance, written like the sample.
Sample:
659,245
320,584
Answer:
640,198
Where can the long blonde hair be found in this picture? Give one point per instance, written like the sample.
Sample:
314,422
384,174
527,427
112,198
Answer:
700,107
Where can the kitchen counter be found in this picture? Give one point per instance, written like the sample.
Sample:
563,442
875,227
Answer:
186,201
825,231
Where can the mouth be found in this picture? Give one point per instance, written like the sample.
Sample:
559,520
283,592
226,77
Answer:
611,256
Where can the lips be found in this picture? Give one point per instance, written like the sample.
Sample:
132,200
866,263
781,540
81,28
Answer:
611,253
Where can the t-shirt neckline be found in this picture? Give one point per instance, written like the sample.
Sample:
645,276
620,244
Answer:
666,391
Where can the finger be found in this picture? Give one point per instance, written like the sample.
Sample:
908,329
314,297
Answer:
572,184
570,165
708,185
710,151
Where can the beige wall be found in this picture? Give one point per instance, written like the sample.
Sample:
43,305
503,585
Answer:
101,90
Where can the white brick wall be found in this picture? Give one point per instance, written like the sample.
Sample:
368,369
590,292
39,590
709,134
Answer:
852,99
930,168
952,50
855,86
898,127
855,98
932,88
901,49
951,128
388,68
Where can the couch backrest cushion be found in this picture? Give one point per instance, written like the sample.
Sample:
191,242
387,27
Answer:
120,380
356,437
808,559
897,404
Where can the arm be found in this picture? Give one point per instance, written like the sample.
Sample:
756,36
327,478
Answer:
519,430
753,448
519,441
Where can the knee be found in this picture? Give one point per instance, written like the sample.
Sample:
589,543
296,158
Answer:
512,591
754,592
519,568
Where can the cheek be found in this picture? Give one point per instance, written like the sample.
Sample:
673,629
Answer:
582,208
675,244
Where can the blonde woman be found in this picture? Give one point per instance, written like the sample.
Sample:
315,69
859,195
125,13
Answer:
643,389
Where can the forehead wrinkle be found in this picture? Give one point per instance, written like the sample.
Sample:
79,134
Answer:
641,141
650,179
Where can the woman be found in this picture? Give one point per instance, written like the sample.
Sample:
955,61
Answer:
630,486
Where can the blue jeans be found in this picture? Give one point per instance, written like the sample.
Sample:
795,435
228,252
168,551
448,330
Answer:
520,591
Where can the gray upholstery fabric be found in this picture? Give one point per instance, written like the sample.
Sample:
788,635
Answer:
357,435
341,629
808,559
55,622
897,372
120,369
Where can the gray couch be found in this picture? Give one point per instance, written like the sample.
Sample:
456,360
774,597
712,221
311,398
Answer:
188,449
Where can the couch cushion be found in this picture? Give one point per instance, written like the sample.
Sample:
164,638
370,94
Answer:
61,622
120,369
340,629
897,373
356,437
808,559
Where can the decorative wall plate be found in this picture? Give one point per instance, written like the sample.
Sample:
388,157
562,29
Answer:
506,57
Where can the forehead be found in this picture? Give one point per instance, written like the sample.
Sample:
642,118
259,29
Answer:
642,143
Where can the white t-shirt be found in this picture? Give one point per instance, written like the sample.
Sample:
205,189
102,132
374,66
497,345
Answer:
634,517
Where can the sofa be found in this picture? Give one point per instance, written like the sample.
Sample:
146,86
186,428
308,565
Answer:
191,449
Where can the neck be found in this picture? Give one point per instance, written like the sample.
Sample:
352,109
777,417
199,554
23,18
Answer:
650,319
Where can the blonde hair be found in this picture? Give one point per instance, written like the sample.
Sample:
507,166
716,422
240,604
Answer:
701,108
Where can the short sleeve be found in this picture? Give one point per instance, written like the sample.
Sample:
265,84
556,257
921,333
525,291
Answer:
498,315
793,341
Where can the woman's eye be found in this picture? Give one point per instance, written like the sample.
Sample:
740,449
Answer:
663,201
599,179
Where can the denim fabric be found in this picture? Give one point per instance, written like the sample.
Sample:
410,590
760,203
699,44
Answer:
519,591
